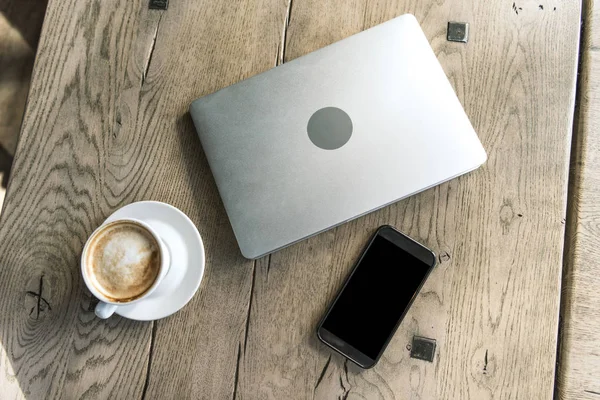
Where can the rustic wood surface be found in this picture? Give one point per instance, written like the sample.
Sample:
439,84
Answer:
578,375
107,124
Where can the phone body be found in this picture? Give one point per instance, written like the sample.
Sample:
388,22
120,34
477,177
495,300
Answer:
376,296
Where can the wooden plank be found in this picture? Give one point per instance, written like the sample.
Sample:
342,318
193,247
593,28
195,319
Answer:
196,351
492,302
58,177
106,125
579,367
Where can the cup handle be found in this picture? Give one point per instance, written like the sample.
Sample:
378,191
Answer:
105,310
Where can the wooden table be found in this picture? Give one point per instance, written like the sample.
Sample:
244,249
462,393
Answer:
578,373
106,124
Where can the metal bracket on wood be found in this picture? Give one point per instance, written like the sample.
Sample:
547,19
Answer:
158,4
458,32
422,348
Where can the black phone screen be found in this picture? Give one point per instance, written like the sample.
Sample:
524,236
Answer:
376,297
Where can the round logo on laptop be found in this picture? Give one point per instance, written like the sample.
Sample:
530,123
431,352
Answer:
329,128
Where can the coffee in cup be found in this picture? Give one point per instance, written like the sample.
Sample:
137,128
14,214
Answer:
122,262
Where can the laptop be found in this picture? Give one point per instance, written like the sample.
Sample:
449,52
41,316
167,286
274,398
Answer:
334,135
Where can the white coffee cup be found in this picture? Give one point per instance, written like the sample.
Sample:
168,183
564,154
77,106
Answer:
107,306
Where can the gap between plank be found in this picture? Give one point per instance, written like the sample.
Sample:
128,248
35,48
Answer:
286,23
236,375
152,338
249,306
148,60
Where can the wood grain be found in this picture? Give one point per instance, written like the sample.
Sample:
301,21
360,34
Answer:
107,125
578,375
492,302
196,351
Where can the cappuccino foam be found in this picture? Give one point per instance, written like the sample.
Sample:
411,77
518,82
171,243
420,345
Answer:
123,261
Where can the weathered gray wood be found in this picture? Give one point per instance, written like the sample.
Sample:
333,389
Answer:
492,303
107,125
578,375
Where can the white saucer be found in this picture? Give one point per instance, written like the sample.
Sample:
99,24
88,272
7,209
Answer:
187,259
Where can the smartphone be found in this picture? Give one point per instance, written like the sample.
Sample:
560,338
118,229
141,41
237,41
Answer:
376,296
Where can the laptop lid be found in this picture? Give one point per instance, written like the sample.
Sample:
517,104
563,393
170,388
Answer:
334,135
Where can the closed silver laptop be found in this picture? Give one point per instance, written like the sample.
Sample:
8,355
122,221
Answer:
334,135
